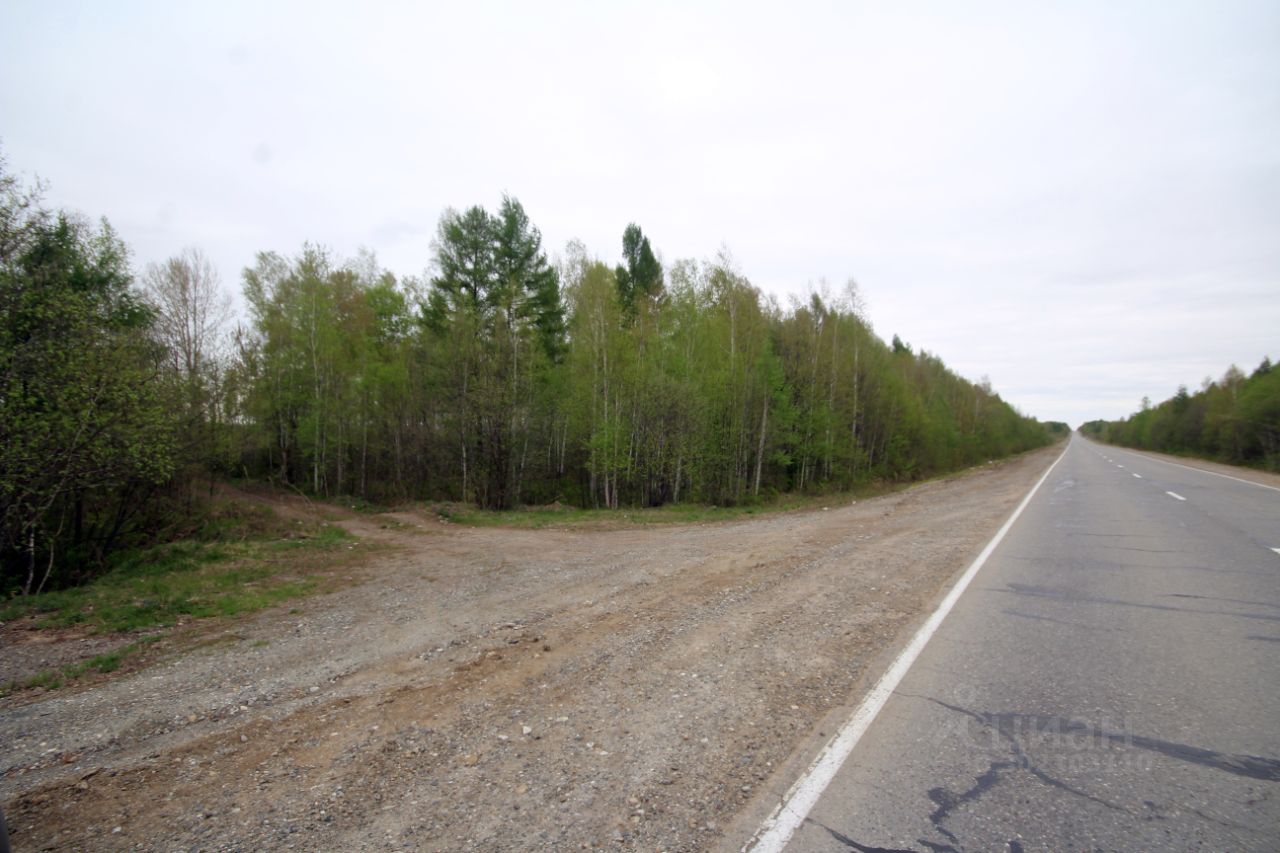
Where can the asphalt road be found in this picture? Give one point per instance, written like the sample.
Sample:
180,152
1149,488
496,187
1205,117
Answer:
1109,681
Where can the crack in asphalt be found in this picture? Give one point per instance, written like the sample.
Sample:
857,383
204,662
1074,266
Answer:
854,845
1142,550
1248,766
1007,726
948,801
1053,620
1227,600
1067,595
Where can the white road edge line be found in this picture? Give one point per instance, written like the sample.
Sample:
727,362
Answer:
1175,495
778,828
1207,471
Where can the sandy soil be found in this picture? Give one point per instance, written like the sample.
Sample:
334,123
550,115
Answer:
498,689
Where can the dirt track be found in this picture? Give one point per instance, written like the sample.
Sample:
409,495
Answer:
652,689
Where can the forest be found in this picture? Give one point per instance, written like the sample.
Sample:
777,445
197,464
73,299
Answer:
1235,419
500,378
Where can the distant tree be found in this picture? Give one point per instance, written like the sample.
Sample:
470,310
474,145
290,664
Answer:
1235,419
495,306
640,274
191,314
668,385
528,287
191,311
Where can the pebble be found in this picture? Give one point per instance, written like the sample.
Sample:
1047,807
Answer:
560,785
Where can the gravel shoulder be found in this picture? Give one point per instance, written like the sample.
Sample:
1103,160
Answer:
473,688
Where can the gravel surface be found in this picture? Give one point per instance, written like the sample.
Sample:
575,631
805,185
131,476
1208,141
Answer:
499,689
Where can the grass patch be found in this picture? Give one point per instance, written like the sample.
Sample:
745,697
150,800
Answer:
568,516
558,515
358,504
52,679
156,587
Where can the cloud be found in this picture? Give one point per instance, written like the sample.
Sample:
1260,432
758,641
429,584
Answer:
1079,201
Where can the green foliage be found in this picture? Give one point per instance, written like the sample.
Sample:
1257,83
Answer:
558,516
326,374
1057,429
636,386
497,324
156,587
1235,419
640,275
82,417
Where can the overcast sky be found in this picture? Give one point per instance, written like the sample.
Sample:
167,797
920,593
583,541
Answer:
1080,201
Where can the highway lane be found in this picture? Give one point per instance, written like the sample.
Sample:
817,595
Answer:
1110,680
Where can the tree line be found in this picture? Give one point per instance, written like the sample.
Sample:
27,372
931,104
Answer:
1235,419
500,379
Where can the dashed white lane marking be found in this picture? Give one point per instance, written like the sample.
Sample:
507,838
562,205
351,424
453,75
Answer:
1212,473
777,830
1120,466
1277,550
1175,495
1139,476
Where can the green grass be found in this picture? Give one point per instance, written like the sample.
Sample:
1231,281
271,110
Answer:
567,516
159,586
52,679
357,504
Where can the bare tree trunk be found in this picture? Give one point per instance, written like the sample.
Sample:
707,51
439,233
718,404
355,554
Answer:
831,396
679,466
463,430
764,426
853,426
364,455
341,458
31,562
48,569
564,441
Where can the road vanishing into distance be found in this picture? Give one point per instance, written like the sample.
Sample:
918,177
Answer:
1110,680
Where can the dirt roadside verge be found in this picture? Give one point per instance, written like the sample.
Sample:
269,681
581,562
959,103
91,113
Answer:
506,689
